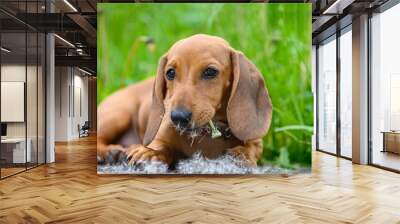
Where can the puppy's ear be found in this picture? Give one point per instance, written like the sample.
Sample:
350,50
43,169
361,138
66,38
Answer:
157,106
249,109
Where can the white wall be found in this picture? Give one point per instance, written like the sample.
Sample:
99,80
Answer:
13,73
33,126
80,102
71,94
61,103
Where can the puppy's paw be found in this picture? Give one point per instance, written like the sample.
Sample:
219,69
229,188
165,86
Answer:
140,154
114,154
239,153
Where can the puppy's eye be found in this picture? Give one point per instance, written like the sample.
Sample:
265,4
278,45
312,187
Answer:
170,74
209,73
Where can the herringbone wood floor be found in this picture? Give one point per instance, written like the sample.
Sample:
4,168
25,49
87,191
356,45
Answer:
70,191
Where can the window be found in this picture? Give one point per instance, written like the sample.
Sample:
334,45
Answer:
327,96
346,93
385,89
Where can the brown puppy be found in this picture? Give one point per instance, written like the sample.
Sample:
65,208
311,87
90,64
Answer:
201,78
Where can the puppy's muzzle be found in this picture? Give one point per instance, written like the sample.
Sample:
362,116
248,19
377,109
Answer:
181,117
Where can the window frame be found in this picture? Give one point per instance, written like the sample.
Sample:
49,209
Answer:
333,37
381,9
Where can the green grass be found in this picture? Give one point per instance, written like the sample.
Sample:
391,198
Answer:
276,37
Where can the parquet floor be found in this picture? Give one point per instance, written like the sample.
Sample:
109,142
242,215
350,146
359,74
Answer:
70,191
9,171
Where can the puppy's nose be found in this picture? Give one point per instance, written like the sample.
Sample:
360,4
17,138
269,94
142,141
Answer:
181,117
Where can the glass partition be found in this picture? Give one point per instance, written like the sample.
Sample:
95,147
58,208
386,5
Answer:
327,96
14,153
22,107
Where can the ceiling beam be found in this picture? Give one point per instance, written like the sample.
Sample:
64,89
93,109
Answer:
79,61
337,7
86,27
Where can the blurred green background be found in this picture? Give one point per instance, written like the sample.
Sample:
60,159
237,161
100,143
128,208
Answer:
276,37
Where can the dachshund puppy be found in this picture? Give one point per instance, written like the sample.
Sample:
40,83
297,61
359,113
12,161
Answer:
200,80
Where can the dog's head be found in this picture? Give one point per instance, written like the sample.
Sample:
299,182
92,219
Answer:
201,75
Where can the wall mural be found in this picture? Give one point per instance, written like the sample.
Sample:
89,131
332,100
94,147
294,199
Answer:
204,89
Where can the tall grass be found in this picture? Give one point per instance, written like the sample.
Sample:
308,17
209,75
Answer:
276,37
